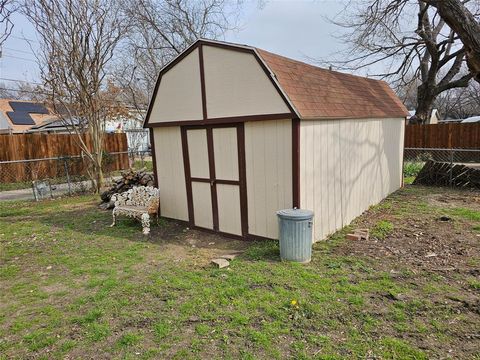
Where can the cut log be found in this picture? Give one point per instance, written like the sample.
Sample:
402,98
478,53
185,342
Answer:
129,179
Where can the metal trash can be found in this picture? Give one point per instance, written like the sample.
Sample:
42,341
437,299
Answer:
295,234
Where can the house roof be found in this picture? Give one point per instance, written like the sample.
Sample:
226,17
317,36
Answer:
38,119
56,124
319,93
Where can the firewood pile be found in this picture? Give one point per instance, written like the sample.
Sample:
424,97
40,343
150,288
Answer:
447,174
129,179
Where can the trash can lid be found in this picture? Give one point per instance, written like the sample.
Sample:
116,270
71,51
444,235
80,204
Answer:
295,214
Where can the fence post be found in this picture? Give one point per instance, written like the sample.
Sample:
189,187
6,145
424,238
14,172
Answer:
451,167
68,176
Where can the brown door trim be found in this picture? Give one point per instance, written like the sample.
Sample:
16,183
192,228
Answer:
242,181
223,120
217,181
188,178
213,178
202,82
242,169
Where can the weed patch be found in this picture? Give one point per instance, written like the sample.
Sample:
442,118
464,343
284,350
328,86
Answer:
382,229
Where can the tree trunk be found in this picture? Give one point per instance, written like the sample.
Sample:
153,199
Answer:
425,99
99,170
99,180
463,22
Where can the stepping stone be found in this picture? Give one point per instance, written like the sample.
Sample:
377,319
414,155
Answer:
220,263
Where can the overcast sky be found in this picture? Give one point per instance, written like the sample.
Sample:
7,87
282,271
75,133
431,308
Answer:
293,28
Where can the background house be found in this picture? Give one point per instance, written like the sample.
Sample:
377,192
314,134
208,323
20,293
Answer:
19,116
131,124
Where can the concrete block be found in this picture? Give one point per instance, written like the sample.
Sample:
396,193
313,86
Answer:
363,233
220,263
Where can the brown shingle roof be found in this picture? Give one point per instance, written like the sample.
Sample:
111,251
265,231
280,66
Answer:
320,93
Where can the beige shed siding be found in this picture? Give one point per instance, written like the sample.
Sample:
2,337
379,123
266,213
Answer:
347,166
179,96
202,204
236,85
268,152
170,173
225,152
198,153
229,217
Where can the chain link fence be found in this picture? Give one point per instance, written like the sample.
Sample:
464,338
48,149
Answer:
61,176
416,158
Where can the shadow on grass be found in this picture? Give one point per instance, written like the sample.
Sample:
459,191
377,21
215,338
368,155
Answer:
266,250
92,221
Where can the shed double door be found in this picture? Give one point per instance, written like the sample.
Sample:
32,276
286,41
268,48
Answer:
215,175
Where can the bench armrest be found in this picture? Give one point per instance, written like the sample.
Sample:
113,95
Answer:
153,204
120,199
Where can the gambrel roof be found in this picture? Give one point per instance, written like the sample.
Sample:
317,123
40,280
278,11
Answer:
320,93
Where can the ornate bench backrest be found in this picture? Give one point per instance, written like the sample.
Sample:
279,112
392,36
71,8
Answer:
142,196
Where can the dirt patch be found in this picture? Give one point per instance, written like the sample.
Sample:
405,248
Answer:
422,240
55,288
469,199
434,254
181,243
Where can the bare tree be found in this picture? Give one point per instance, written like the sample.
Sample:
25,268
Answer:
23,90
411,40
78,39
456,103
7,8
466,25
460,103
164,28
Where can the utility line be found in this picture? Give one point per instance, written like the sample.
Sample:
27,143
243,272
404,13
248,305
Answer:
20,51
19,58
18,80
21,38
45,93
26,91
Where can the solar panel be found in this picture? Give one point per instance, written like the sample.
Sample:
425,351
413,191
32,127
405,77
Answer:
20,118
28,107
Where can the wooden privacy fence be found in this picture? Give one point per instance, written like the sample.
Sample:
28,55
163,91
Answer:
54,155
443,136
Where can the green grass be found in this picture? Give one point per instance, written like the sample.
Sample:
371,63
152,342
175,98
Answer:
129,339
467,214
408,180
147,164
72,286
15,186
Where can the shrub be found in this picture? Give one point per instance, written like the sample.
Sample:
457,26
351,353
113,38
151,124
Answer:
411,169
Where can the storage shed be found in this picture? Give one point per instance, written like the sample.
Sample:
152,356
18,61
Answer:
238,133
